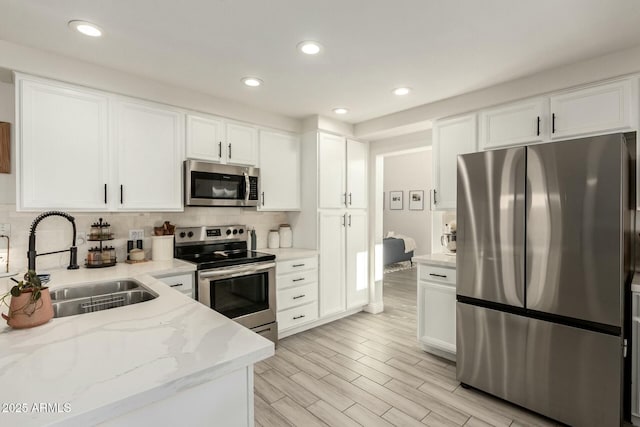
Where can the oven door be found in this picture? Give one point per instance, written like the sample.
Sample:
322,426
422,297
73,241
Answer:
210,184
244,293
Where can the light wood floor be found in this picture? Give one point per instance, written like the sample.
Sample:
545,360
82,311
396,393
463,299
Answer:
368,370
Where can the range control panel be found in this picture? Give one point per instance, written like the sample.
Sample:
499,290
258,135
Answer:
210,233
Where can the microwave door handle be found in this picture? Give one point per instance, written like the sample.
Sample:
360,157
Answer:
247,186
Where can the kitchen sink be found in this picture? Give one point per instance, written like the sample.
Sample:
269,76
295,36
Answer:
99,296
93,289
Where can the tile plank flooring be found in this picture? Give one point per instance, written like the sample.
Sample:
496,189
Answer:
368,370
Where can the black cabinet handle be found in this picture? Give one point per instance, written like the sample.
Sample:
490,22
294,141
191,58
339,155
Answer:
538,127
263,198
435,201
298,317
229,150
350,199
438,275
220,149
176,285
298,280
553,123
299,296
298,265
349,220
121,194
105,194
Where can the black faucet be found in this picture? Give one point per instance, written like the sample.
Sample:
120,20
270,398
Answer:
73,250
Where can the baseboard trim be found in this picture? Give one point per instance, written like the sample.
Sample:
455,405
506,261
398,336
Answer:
375,308
319,322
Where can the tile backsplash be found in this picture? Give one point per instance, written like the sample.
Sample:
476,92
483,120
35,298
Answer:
54,233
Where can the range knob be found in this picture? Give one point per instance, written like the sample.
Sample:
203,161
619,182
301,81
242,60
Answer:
235,231
182,234
190,234
228,232
241,231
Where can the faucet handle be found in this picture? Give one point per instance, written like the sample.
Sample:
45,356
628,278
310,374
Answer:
73,258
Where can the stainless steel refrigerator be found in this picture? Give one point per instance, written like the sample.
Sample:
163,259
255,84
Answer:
543,275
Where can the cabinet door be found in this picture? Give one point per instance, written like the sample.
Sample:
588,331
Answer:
63,148
332,256
598,109
242,144
279,171
331,171
205,136
635,340
357,154
514,124
452,137
357,260
437,316
149,147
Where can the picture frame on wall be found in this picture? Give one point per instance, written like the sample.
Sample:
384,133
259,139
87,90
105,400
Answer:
416,200
395,200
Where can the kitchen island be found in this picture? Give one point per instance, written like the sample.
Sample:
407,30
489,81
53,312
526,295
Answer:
167,361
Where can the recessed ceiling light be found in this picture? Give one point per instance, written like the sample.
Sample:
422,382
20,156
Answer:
340,110
86,28
309,47
401,91
251,81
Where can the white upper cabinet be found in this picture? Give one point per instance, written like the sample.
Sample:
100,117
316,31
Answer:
595,110
149,142
204,138
452,137
357,259
332,171
279,171
242,144
219,140
357,154
514,124
62,143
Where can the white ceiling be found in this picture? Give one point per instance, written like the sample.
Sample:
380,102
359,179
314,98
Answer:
440,48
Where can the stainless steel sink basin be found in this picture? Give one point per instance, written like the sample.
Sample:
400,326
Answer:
93,289
99,296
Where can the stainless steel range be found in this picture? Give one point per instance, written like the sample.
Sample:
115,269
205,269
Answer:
232,280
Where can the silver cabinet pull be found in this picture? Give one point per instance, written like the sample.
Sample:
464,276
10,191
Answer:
298,280
299,296
176,285
298,317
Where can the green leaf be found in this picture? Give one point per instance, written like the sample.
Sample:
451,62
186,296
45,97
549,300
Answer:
36,295
15,291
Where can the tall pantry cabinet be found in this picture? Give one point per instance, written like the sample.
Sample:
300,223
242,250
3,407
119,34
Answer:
333,219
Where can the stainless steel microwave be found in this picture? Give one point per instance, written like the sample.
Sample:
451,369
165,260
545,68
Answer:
213,184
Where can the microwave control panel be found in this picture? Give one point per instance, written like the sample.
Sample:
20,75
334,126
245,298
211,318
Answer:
253,188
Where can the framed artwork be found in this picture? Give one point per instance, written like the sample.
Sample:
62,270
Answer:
416,200
395,200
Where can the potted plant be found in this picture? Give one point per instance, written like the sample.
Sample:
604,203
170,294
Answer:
30,303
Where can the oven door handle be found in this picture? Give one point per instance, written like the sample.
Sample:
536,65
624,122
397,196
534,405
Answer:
242,270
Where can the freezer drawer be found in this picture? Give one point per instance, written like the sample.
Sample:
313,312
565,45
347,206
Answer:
568,374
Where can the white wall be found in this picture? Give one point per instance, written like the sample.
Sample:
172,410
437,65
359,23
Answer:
404,173
7,113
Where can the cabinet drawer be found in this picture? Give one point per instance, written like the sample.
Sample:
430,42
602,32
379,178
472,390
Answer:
285,281
297,316
299,295
437,274
182,282
301,264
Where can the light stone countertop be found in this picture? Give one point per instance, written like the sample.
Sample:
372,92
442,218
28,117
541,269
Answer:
438,260
108,363
286,254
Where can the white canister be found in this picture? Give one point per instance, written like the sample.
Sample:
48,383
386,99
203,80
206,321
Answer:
286,236
273,240
161,248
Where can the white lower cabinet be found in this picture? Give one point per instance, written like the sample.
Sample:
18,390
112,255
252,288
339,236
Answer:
180,282
297,293
437,310
332,262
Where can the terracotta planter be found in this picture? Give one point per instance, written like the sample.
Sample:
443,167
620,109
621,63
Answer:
24,313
